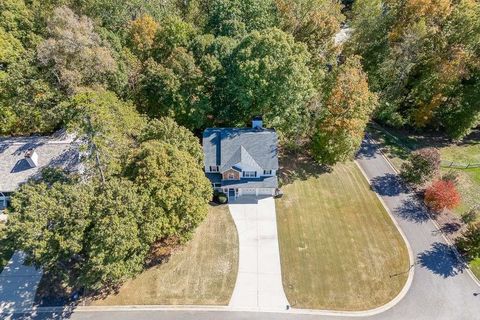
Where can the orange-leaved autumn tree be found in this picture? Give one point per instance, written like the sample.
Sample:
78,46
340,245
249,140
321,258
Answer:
348,108
442,194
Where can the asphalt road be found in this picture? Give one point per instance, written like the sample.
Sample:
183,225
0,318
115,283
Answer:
441,288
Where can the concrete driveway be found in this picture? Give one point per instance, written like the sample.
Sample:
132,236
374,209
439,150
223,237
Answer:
259,280
18,285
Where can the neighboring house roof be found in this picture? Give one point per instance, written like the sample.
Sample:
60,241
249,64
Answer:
58,150
227,147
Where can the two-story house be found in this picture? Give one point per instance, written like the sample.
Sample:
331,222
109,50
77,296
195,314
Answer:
242,161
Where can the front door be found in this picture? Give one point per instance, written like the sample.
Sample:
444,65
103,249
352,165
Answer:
231,193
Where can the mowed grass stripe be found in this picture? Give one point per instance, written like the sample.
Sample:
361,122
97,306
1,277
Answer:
339,248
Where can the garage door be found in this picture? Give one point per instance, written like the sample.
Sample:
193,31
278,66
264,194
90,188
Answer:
264,191
248,191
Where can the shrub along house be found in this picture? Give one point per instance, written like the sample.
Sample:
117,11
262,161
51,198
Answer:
23,158
242,161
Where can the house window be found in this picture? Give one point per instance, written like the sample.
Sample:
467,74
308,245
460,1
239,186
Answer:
249,174
231,176
213,168
267,172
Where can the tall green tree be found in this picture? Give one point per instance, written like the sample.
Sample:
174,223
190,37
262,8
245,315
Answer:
268,76
107,124
113,247
177,189
49,223
167,130
314,23
175,88
235,18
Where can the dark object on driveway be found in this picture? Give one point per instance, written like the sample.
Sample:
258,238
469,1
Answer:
278,193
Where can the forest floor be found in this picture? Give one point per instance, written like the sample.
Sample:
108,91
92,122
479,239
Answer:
338,245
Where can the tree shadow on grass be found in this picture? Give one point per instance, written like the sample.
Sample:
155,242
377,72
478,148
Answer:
295,167
441,260
412,210
388,185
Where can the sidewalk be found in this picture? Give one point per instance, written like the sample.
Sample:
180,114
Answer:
18,284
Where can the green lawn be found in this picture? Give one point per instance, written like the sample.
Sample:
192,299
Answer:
465,153
202,272
469,188
339,247
475,267
6,247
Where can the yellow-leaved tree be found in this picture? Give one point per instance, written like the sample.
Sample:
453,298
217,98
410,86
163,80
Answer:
348,108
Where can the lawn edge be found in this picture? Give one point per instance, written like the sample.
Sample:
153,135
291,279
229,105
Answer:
238,255
411,270
452,245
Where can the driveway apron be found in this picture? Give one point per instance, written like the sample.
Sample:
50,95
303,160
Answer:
259,280
18,284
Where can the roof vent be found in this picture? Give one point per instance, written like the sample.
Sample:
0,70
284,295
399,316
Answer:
257,123
32,158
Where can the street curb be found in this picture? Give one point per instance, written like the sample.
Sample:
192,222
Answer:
452,246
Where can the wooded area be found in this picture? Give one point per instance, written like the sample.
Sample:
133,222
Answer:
136,79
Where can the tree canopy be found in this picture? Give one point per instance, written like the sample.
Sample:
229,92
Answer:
138,81
423,59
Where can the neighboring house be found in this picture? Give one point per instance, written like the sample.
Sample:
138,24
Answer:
22,158
242,161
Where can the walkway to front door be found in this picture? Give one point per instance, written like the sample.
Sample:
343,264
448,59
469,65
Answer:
259,280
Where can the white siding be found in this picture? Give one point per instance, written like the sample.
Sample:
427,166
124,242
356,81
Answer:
247,191
266,191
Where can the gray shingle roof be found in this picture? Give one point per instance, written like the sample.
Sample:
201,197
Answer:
225,147
58,150
262,182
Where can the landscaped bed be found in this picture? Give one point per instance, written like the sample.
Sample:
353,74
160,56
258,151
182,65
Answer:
202,272
339,248
395,146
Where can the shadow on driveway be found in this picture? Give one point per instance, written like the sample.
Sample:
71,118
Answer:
412,210
388,185
441,260
368,149
35,315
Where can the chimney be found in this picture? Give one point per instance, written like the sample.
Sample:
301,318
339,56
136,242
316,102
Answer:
257,122
31,157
